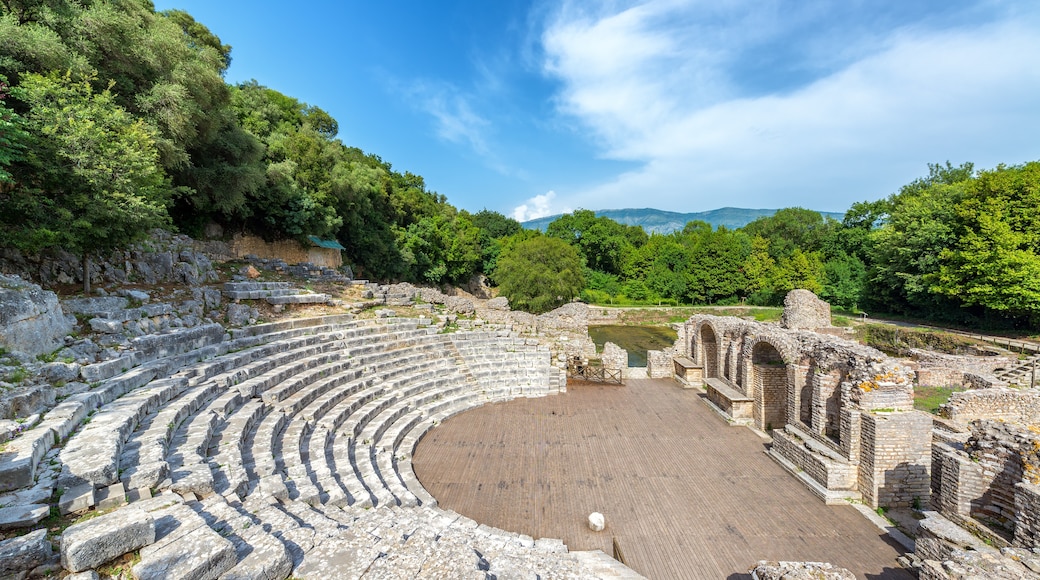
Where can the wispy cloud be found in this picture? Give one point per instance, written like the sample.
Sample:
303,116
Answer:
679,86
454,116
537,207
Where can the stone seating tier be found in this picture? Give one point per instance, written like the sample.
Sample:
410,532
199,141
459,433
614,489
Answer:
264,450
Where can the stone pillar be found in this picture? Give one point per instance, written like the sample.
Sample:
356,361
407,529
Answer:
1027,510
896,458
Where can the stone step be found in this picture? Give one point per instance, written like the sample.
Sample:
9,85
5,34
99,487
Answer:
259,554
298,299
185,547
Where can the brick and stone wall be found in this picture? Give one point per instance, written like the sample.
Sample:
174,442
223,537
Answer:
1027,510
1015,405
895,459
946,370
771,395
659,364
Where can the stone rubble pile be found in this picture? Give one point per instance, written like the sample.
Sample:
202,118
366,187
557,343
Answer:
799,571
303,270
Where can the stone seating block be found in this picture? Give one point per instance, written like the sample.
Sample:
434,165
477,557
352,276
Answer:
91,543
728,399
185,547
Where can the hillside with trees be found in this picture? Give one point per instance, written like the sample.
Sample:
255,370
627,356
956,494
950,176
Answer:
116,119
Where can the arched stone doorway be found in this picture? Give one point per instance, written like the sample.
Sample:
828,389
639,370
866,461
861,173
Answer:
709,351
770,380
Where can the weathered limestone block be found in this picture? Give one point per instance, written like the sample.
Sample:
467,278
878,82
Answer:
659,364
804,311
94,542
22,516
459,305
499,303
184,547
196,478
24,552
21,456
31,319
799,571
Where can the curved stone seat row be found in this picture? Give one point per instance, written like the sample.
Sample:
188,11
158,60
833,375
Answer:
287,451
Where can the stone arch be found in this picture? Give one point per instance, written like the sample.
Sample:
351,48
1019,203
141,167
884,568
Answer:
769,383
708,340
822,412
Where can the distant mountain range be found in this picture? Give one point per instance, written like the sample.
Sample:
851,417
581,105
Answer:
666,222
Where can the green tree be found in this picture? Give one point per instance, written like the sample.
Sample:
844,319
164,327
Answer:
92,181
539,274
906,251
792,228
995,261
12,135
844,281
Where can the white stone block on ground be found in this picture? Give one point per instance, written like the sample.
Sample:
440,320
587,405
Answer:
597,522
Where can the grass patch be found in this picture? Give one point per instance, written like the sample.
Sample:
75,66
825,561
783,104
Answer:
930,398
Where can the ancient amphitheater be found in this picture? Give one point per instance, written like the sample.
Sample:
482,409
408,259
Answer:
285,449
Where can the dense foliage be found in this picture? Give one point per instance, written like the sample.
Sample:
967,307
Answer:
957,245
540,273
115,118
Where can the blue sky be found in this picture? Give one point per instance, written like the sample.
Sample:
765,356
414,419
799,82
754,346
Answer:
534,108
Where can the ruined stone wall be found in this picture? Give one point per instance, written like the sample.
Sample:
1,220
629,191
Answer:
659,364
614,357
1006,454
803,310
825,403
947,370
163,257
1027,510
289,250
895,459
1015,405
960,480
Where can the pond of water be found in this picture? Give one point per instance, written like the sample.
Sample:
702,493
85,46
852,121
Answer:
635,339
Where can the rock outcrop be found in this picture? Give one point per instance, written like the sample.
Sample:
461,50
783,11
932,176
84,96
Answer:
31,319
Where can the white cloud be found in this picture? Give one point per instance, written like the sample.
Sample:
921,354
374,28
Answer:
657,84
536,207
454,117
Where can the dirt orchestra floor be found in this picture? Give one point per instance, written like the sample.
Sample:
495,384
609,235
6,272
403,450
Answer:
685,494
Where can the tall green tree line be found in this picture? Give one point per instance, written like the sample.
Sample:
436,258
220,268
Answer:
115,118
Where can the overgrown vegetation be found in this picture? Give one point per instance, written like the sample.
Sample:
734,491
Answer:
929,399
898,341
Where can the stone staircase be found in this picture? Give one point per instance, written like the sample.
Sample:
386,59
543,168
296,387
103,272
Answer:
285,449
1022,373
273,292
